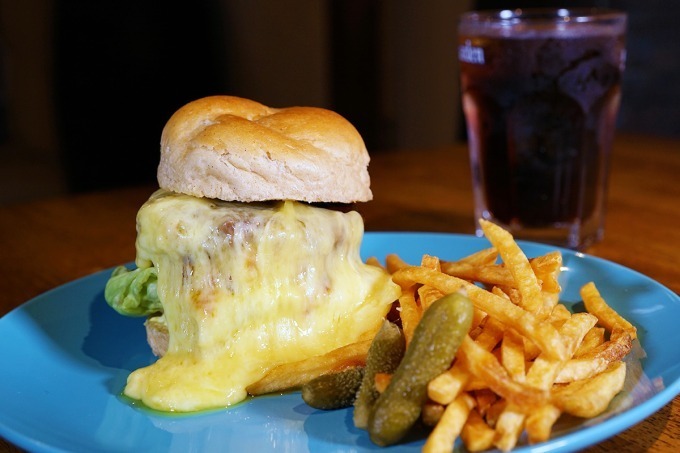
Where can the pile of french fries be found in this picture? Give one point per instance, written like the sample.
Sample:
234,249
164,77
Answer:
526,360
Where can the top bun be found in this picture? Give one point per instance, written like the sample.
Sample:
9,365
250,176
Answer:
235,149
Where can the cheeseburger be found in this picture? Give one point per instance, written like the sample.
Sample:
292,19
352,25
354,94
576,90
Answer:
241,266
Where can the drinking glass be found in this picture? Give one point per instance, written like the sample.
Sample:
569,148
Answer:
540,92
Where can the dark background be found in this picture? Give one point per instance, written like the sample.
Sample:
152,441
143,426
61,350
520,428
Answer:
86,86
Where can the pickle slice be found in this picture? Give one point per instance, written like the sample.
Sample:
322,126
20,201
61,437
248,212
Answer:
384,356
333,390
431,351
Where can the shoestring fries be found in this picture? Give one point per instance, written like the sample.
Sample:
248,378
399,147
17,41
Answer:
527,358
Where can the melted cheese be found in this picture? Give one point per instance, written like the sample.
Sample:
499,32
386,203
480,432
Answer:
247,287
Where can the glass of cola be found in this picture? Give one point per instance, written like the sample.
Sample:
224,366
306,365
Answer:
541,90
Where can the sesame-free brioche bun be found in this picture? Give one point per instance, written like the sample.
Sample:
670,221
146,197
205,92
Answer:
235,149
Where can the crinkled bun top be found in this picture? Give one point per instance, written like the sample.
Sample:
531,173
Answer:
235,149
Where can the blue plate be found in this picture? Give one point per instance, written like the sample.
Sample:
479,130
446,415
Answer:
65,356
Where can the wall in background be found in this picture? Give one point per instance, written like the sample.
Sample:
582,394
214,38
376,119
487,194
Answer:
651,92
30,165
278,52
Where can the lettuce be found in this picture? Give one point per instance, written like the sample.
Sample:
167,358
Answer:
133,292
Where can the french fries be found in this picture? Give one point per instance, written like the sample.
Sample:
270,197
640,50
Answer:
476,434
606,315
293,375
450,424
522,274
527,358
590,397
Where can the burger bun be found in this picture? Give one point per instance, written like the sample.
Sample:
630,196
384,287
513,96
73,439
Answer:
235,149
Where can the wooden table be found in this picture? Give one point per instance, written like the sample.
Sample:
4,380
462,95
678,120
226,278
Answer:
50,242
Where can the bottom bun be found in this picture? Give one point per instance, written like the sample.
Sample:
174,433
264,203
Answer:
157,335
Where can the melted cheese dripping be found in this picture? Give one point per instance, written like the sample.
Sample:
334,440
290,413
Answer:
247,287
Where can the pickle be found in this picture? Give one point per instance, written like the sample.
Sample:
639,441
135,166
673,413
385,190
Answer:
384,355
431,351
333,390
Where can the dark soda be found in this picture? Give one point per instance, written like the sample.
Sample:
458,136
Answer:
540,111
